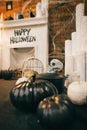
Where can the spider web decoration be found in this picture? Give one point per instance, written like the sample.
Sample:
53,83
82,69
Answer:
61,22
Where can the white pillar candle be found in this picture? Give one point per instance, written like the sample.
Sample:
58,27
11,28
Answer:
79,62
83,38
68,57
68,64
79,17
74,43
80,46
68,47
86,65
84,41
79,14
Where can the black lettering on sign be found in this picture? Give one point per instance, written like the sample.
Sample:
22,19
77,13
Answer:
21,36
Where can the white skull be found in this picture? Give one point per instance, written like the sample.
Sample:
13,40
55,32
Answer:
56,64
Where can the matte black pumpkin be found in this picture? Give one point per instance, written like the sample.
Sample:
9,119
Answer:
0,74
55,112
6,74
26,95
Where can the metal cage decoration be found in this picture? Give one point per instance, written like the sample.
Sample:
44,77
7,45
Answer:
33,64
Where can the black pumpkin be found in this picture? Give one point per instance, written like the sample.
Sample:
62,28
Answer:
26,95
0,74
7,74
55,112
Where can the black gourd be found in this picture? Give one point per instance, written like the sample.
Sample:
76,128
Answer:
26,95
56,112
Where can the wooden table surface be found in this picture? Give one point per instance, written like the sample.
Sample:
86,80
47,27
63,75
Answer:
12,119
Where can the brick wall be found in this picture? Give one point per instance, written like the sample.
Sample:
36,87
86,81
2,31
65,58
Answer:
61,23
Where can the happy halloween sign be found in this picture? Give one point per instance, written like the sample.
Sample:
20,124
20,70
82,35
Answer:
21,36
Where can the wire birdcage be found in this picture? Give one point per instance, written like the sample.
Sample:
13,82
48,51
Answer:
33,64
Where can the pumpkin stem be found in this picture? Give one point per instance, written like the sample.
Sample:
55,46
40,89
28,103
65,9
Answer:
32,78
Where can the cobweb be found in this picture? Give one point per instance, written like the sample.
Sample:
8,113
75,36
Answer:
60,5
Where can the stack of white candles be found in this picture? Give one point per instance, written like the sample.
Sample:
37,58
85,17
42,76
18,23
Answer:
76,59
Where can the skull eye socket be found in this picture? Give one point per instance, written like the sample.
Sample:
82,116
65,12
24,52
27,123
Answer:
53,64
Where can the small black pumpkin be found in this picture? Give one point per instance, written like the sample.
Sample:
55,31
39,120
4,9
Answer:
0,74
26,95
8,74
55,112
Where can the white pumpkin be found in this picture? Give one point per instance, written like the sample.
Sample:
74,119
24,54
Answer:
21,80
77,92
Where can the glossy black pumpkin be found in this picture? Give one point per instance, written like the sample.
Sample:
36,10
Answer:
26,95
55,112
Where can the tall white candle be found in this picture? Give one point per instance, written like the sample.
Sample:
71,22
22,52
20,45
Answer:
68,47
84,40
68,57
74,43
79,62
84,32
86,65
79,14
79,17
68,64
